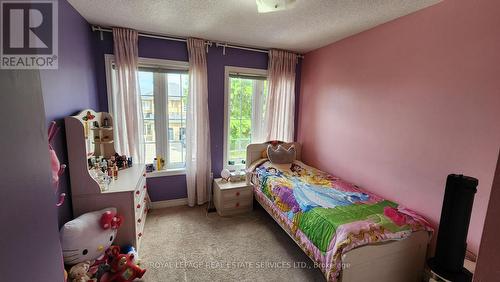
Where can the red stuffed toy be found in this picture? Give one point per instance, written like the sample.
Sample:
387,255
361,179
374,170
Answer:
122,267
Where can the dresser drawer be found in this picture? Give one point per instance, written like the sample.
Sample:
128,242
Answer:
139,195
140,205
236,194
139,190
140,221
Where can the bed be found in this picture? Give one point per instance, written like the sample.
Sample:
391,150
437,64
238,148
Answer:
349,233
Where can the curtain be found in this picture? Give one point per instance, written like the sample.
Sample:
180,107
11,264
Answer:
198,160
280,110
126,107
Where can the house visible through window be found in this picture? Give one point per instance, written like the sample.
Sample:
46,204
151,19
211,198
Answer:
163,89
246,92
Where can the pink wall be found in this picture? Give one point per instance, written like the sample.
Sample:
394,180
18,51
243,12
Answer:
397,108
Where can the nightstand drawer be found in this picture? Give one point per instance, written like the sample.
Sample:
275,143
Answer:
238,204
236,194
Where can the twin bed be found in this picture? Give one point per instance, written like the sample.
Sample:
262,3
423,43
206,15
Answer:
349,233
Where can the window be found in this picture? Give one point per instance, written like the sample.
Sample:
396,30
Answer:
245,96
163,88
170,134
182,132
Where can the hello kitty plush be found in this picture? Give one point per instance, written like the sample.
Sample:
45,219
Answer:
88,236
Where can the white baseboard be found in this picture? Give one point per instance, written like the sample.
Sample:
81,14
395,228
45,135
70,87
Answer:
169,203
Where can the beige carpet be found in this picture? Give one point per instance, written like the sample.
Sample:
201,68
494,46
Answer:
186,244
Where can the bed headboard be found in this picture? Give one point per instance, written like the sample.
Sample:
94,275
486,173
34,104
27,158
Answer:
254,151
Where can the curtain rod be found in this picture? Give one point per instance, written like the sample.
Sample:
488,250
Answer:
103,29
181,39
227,45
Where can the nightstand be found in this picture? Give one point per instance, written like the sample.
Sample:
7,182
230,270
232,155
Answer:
232,197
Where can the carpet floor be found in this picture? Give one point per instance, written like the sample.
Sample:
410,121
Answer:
187,244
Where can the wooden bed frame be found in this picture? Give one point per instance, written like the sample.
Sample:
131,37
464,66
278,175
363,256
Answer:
401,260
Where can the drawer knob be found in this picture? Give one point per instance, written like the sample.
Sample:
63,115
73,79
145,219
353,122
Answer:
237,193
144,175
139,220
139,206
145,187
140,234
237,204
137,192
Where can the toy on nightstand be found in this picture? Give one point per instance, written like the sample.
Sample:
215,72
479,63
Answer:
122,268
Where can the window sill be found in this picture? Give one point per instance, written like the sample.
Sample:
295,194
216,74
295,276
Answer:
237,167
166,172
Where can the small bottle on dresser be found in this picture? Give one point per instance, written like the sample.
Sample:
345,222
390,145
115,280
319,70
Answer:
115,172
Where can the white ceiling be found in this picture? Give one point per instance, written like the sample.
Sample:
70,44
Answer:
309,25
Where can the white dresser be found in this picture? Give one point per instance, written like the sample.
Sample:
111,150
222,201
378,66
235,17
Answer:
232,197
128,193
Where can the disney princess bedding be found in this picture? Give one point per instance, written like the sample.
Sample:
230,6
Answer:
326,215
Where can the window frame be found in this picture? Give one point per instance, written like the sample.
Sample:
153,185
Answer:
227,71
161,119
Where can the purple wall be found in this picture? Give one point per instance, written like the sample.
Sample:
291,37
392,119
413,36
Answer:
29,242
72,87
167,187
30,245
174,187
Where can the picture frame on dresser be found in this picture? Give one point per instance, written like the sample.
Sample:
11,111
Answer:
90,135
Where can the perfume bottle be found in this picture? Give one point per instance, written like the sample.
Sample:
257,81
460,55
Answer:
115,172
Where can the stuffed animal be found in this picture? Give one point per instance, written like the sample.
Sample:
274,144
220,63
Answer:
56,167
79,272
122,268
88,236
128,249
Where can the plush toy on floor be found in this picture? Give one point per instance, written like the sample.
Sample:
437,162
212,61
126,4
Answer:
131,250
87,237
122,267
80,272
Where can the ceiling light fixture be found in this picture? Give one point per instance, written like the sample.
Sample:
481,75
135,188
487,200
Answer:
267,6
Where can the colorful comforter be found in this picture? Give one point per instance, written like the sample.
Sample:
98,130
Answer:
326,215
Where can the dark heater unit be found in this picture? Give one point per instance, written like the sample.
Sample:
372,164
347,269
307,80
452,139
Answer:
453,227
